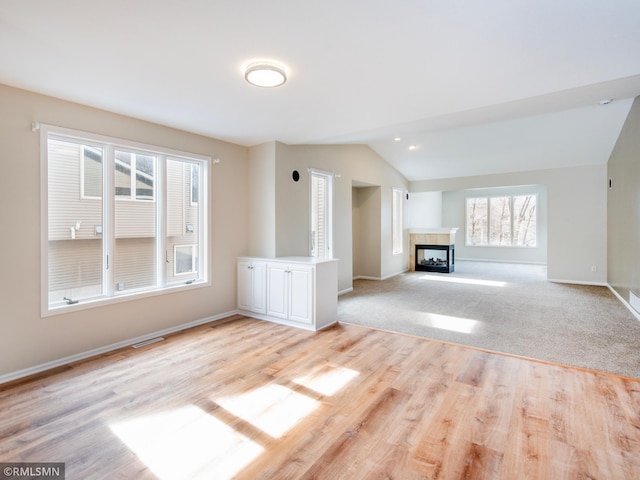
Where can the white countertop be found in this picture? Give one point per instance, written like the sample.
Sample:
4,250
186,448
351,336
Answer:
303,260
433,230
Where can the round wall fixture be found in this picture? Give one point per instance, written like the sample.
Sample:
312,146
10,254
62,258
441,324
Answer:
295,175
265,74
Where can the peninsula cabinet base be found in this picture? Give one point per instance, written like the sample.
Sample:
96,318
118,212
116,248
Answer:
300,292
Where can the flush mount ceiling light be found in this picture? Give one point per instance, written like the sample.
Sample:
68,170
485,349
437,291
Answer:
265,74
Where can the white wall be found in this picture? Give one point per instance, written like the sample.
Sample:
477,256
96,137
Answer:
453,215
26,339
624,209
424,210
576,215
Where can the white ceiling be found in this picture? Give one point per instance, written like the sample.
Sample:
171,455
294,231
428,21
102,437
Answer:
478,87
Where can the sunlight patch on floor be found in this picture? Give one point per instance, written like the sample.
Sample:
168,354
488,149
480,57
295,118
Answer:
467,281
327,382
187,443
272,408
446,322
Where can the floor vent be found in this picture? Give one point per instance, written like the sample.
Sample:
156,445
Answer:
148,342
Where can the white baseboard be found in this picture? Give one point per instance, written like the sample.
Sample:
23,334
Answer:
625,303
8,377
577,282
346,290
365,277
395,274
489,260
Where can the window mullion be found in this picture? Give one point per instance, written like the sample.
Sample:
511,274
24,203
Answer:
162,254
203,200
511,205
108,221
132,178
489,221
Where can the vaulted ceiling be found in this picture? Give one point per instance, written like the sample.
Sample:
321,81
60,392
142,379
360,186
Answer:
474,87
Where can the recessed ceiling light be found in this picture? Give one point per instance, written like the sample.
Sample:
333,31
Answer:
265,74
397,139
412,147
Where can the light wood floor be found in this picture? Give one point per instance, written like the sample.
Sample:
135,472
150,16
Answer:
255,400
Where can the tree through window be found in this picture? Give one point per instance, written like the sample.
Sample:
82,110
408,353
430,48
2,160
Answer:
501,221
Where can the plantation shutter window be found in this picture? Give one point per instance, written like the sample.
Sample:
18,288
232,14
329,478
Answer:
321,214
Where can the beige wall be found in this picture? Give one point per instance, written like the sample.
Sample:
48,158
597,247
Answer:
26,339
623,218
576,216
366,232
351,163
262,200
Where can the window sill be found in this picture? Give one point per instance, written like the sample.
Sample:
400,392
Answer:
500,246
48,311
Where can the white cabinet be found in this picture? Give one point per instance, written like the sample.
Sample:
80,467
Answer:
252,286
290,290
298,291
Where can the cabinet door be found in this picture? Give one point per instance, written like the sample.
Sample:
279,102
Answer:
259,287
244,285
301,294
277,276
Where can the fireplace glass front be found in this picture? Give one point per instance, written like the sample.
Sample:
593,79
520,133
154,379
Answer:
435,258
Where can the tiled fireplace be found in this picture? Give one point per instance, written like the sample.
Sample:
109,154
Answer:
432,250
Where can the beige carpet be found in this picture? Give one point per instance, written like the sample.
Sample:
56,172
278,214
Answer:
504,308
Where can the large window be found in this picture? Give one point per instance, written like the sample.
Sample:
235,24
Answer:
501,221
321,214
119,219
397,221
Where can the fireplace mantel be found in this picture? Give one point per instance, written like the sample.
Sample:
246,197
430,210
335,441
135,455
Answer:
429,236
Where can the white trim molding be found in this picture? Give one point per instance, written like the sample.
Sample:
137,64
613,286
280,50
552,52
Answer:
625,303
8,377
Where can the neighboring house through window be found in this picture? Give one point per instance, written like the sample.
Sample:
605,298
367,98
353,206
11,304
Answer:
185,259
141,236
195,183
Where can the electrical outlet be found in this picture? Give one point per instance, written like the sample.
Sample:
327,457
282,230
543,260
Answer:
120,286
594,268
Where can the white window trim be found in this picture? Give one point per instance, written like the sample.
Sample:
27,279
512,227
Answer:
397,221
203,258
489,197
329,211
